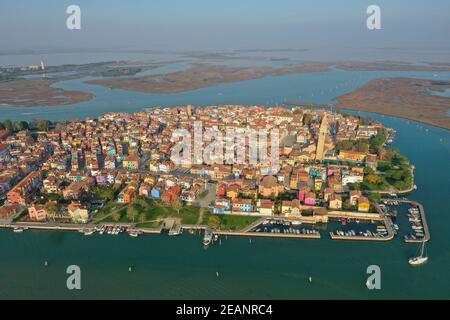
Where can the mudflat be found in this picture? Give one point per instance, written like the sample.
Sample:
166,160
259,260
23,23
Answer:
402,97
38,92
200,76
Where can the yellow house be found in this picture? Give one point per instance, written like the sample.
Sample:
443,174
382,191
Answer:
352,155
153,166
363,204
233,192
294,182
318,184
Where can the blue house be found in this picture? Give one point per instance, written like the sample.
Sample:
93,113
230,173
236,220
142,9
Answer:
247,207
155,193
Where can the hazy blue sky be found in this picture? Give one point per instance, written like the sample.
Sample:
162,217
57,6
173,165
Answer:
223,24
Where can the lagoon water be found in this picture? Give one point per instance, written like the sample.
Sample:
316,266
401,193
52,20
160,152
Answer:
180,268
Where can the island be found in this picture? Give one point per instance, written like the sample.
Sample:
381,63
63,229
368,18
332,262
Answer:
38,92
414,99
120,172
202,76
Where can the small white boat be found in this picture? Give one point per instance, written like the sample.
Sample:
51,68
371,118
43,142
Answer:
134,233
88,232
421,259
18,229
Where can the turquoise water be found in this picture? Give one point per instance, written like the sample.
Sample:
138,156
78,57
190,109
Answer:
180,268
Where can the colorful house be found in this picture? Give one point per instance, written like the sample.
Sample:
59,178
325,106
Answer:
310,199
131,163
363,204
233,191
242,205
222,206
155,193
335,201
78,212
290,208
302,193
37,213
266,207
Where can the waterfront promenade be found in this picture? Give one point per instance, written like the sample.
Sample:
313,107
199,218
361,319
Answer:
247,231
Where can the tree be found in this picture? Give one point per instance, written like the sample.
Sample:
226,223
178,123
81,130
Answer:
131,212
375,197
41,125
177,205
214,221
142,217
116,216
372,179
307,119
8,125
344,145
52,208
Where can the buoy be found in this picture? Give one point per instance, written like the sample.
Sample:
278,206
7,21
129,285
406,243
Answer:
129,269
46,263
310,279
217,274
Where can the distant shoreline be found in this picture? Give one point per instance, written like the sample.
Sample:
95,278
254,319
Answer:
405,98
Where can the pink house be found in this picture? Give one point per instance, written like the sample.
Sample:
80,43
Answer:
310,199
145,190
302,193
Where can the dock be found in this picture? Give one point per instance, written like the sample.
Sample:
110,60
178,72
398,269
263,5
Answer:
268,235
389,228
423,217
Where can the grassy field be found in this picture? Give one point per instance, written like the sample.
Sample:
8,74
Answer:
228,222
147,213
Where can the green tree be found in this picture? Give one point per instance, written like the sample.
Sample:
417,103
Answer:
177,205
142,217
374,196
51,208
131,212
8,124
116,216
344,145
214,221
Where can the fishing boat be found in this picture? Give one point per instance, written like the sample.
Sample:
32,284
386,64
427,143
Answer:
134,233
208,237
88,232
421,259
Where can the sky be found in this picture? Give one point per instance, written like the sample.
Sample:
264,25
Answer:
223,24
